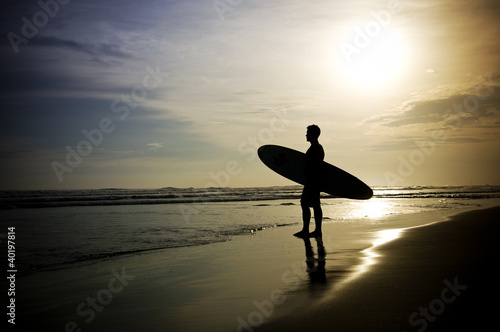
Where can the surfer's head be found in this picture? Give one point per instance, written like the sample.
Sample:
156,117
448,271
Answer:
313,132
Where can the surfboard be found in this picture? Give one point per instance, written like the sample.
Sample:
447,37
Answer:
334,181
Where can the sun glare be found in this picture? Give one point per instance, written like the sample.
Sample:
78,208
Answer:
370,254
373,61
372,209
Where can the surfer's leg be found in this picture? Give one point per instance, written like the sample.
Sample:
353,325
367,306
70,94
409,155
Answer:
318,218
306,213
306,218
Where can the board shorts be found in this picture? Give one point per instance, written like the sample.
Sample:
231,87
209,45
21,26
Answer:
310,196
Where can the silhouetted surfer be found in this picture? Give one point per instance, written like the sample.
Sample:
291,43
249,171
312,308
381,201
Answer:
310,194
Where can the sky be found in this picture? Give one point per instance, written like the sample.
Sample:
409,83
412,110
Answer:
152,94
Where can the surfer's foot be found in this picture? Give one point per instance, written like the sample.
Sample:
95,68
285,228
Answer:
315,234
301,234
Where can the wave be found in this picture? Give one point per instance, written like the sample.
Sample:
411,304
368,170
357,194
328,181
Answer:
15,199
68,257
112,196
465,192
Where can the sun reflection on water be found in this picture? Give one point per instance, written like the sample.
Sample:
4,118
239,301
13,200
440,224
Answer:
370,254
385,236
373,209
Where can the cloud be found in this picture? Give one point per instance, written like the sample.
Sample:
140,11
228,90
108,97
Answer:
407,144
476,105
393,145
154,146
109,49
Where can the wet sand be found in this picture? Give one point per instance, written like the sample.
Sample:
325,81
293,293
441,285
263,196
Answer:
440,277
437,277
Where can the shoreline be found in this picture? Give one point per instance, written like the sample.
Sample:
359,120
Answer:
221,284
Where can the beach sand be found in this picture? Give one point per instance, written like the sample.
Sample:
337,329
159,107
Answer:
440,277
260,283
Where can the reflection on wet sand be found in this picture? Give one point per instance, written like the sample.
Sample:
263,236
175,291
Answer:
315,267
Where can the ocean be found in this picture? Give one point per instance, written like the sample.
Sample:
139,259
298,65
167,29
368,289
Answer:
60,229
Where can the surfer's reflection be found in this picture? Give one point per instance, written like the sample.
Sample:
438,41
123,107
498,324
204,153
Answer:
316,272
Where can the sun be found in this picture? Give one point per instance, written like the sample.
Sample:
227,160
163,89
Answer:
373,61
